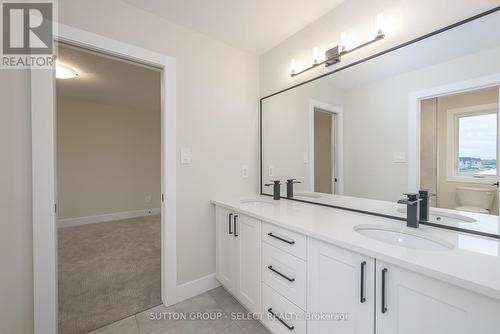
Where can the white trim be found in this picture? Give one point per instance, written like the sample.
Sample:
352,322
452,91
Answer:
452,116
339,143
43,157
197,286
43,199
414,105
70,222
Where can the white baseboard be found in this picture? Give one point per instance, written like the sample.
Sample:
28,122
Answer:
68,222
196,287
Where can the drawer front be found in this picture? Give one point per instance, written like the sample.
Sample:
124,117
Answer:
285,273
292,317
288,241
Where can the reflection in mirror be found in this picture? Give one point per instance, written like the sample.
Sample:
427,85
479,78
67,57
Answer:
421,117
458,143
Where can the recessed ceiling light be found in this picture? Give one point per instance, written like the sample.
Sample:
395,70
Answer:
64,71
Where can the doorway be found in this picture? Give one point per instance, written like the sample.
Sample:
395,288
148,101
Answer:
459,150
108,176
324,151
44,184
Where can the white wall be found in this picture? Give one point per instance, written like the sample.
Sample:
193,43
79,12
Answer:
108,158
217,99
406,19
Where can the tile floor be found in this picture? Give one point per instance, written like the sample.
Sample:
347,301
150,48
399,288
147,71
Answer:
217,301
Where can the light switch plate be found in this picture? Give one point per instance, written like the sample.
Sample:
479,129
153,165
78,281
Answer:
244,171
185,155
270,171
399,157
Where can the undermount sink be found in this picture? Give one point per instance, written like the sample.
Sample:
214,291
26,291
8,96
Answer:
305,194
445,217
403,237
257,202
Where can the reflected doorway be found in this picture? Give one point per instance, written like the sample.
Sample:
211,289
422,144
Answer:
324,133
459,150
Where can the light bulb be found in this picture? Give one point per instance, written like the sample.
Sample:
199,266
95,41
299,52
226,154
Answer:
380,24
64,71
292,67
315,55
343,42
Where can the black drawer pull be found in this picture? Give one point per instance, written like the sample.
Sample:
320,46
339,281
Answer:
230,230
281,239
290,328
284,276
362,285
235,222
384,274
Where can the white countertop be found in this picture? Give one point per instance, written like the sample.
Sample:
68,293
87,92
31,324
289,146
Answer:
473,263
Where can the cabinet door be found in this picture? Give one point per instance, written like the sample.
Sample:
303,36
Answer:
409,303
248,235
226,259
340,285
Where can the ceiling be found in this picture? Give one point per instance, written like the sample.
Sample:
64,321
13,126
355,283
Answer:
109,80
252,25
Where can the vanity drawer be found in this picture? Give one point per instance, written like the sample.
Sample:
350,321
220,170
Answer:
293,317
290,242
285,273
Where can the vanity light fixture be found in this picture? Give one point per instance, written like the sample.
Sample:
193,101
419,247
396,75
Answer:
334,55
64,71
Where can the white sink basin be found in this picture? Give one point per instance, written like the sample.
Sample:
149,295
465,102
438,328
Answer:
258,202
445,217
403,237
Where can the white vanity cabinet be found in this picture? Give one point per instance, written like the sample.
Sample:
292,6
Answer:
238,256
306,286
410,303
341,286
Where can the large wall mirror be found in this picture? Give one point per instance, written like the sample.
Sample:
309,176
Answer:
423,116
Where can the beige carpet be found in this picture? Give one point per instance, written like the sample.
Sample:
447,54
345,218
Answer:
107,272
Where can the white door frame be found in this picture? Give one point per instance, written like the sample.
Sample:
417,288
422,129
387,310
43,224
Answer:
338,144
43,173
414,105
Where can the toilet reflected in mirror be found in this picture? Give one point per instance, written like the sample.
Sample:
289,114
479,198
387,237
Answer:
479,200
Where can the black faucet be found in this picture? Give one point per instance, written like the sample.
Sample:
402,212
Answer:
289,187
412,209
276,189
424,195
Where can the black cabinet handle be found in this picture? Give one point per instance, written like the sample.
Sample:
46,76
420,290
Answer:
281,239
235,220
290,328
230,216
384,279
284,276
362,298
